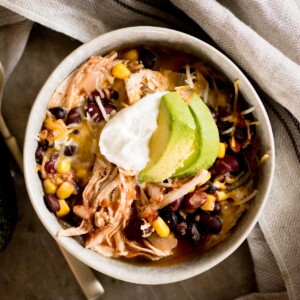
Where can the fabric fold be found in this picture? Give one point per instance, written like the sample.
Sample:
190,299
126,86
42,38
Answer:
263,38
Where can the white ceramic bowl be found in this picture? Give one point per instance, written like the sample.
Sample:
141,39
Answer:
119,269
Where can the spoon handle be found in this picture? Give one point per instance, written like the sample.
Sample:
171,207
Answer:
89,284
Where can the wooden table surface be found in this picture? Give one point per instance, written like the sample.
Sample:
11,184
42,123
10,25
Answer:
32,266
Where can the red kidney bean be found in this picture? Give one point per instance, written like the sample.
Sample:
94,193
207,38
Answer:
209,223
54,156
181,228
58,112
174,206
94,112
52,202
147,58
133,229
229,163
194,200
109,108
50,166
70,150
94,94
74,116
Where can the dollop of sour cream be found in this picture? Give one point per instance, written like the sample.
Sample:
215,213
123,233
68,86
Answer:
125,139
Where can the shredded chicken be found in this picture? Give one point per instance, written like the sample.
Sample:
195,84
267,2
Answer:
107,204
92,75
143,82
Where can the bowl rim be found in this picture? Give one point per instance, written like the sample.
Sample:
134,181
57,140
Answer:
109,266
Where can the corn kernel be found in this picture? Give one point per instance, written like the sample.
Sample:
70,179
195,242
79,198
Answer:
131,55
222,150
190,211
161,228
82,173
222,196
120,71
65,190
209,204
63,166
58,180
64,208
49,186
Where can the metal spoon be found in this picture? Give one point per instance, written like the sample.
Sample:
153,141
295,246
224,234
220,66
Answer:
86,279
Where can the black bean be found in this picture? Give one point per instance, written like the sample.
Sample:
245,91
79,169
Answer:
58,112
39,155
147,58
194,200
114,94
44,144
181,228
70,150
174,206
133,229
211,188
193,232
217,208
210,224
241,133
50,166
169,217
52,202
213,113
74,116
221,84
77,187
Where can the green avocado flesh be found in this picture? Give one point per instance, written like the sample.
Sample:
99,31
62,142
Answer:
206,145
172,142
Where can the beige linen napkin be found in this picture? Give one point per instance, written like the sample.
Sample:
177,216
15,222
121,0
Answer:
263,38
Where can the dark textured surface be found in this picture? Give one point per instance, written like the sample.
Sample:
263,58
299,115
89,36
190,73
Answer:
32,266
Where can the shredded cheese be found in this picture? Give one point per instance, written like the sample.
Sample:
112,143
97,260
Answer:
246,199
190,77
102,109
227,130
248,111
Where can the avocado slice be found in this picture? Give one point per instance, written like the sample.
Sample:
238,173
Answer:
173,140
207,140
